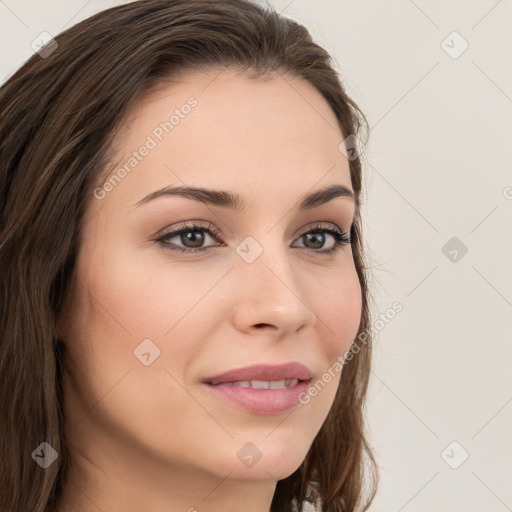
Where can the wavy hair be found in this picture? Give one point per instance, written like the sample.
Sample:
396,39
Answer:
58,115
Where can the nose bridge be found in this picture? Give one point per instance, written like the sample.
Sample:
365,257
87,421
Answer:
271,292
266,258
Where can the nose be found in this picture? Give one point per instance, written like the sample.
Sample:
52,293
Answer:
270,296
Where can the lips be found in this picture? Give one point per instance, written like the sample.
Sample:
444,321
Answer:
262,372
261,389
262,384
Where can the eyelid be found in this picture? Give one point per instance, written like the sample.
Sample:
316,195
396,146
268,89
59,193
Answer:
208,226
341,237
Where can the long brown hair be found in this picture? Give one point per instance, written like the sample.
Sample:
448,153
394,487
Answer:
58,115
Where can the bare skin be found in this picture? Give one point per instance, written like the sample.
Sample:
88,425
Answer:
149,438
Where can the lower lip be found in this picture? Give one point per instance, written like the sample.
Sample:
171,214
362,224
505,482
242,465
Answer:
261,401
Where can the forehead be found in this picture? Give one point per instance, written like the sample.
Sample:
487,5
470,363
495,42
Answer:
225,130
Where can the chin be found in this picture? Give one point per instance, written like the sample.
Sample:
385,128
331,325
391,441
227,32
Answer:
262,473
274,464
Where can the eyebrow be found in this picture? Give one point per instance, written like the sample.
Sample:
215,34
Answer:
233,201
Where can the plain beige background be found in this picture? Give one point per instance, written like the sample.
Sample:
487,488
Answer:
435,81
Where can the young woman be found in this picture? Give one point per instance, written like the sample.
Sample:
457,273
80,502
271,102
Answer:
184,302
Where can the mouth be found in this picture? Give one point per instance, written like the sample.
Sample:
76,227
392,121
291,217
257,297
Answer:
262,384
263,373
261,389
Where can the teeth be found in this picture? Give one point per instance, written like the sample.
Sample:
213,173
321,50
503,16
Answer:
281,384
263,384
260,384
242,384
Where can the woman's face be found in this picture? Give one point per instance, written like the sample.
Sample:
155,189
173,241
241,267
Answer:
152,324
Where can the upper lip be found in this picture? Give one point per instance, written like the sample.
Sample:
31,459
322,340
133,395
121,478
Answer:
291,370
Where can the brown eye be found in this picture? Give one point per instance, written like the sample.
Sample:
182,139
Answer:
316,238
192,237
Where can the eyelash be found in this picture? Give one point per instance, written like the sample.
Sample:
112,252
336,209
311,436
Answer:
341,237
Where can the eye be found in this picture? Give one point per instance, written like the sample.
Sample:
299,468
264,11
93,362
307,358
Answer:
192,236
316,237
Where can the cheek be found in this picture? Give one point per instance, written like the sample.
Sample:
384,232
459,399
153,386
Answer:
337,301
120,304
126,301
139,299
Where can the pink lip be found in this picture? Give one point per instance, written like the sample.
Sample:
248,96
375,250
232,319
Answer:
261,401
263,372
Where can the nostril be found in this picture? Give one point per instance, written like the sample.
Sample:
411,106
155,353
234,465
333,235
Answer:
259,326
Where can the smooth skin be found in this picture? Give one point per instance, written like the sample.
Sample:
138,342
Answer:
149,438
